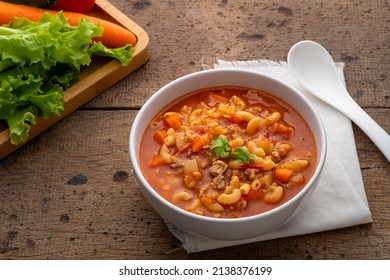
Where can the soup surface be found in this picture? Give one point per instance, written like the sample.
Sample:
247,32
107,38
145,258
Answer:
228,152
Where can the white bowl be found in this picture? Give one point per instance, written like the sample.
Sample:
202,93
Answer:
217,228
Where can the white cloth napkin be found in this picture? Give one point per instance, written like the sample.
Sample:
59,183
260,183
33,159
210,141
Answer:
339,200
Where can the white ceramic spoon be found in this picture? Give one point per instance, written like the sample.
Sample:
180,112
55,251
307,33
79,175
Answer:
315,69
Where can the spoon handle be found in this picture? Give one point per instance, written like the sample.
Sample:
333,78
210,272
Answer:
376,133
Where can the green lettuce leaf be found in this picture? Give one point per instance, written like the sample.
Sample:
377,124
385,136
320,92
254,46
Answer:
19,123
123,54
39,61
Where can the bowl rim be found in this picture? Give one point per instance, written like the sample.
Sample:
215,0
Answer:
321,155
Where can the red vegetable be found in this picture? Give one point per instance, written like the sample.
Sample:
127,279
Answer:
77,6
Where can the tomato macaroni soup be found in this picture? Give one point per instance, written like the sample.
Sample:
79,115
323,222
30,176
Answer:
228,152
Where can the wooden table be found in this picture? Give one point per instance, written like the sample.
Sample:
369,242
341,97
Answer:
70,193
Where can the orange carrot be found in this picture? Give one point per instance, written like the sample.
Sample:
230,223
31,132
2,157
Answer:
198,143
156,161
174,120
283,174
160,135
218,97
114,36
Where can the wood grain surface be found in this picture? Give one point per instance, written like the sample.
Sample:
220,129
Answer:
69,193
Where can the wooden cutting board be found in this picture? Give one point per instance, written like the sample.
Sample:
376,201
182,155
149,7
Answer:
96,78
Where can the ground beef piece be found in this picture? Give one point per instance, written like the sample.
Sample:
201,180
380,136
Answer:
218,168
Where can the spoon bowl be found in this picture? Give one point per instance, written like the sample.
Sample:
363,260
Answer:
314,68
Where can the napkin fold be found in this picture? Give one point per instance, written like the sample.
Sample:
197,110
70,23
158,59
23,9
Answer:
339,199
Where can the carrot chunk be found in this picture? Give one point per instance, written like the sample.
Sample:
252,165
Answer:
218,97
283,174
198,143
174,120
156,161
160,135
